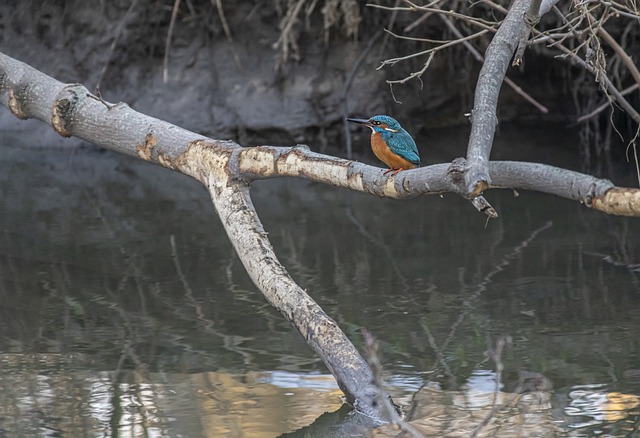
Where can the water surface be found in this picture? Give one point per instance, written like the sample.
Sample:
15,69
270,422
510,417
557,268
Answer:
125,311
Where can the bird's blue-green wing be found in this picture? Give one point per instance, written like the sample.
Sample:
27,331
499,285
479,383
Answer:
402,144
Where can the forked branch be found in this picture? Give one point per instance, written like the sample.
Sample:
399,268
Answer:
227,170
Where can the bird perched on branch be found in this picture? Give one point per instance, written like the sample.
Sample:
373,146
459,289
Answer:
391,143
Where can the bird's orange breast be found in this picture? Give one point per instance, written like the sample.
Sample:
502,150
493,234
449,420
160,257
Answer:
386,155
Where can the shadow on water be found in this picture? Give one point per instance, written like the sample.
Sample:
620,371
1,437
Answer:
125,311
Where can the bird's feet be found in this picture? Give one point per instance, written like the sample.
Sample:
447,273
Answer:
393,171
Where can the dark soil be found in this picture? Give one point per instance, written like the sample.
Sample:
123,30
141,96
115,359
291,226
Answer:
239,86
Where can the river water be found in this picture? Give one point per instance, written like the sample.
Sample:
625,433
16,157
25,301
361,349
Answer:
125,311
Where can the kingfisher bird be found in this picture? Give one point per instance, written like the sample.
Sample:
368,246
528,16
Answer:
391,143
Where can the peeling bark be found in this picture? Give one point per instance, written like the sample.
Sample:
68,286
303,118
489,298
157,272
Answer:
618,201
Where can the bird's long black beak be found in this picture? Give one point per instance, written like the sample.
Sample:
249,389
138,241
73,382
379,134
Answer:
361,121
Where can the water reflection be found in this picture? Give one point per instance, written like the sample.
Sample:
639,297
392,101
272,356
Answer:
104,403
594,405
125,311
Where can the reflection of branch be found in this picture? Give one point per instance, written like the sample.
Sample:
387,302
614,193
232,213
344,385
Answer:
382,245
495,354
230,342
631,267
373,359
469,303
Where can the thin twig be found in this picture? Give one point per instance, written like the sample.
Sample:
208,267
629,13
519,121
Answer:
624,56
628,108
478,56
372,356
416,74
393,61
223,19
167,44
606,105
285,40
347,87
117,34
484,24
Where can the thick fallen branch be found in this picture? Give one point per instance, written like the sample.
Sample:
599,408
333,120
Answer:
227,169
71,110
234,207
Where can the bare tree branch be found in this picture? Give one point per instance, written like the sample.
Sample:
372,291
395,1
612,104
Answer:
483,116
234,207
546,6
626,59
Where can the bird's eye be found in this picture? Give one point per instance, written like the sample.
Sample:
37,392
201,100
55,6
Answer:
376,122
